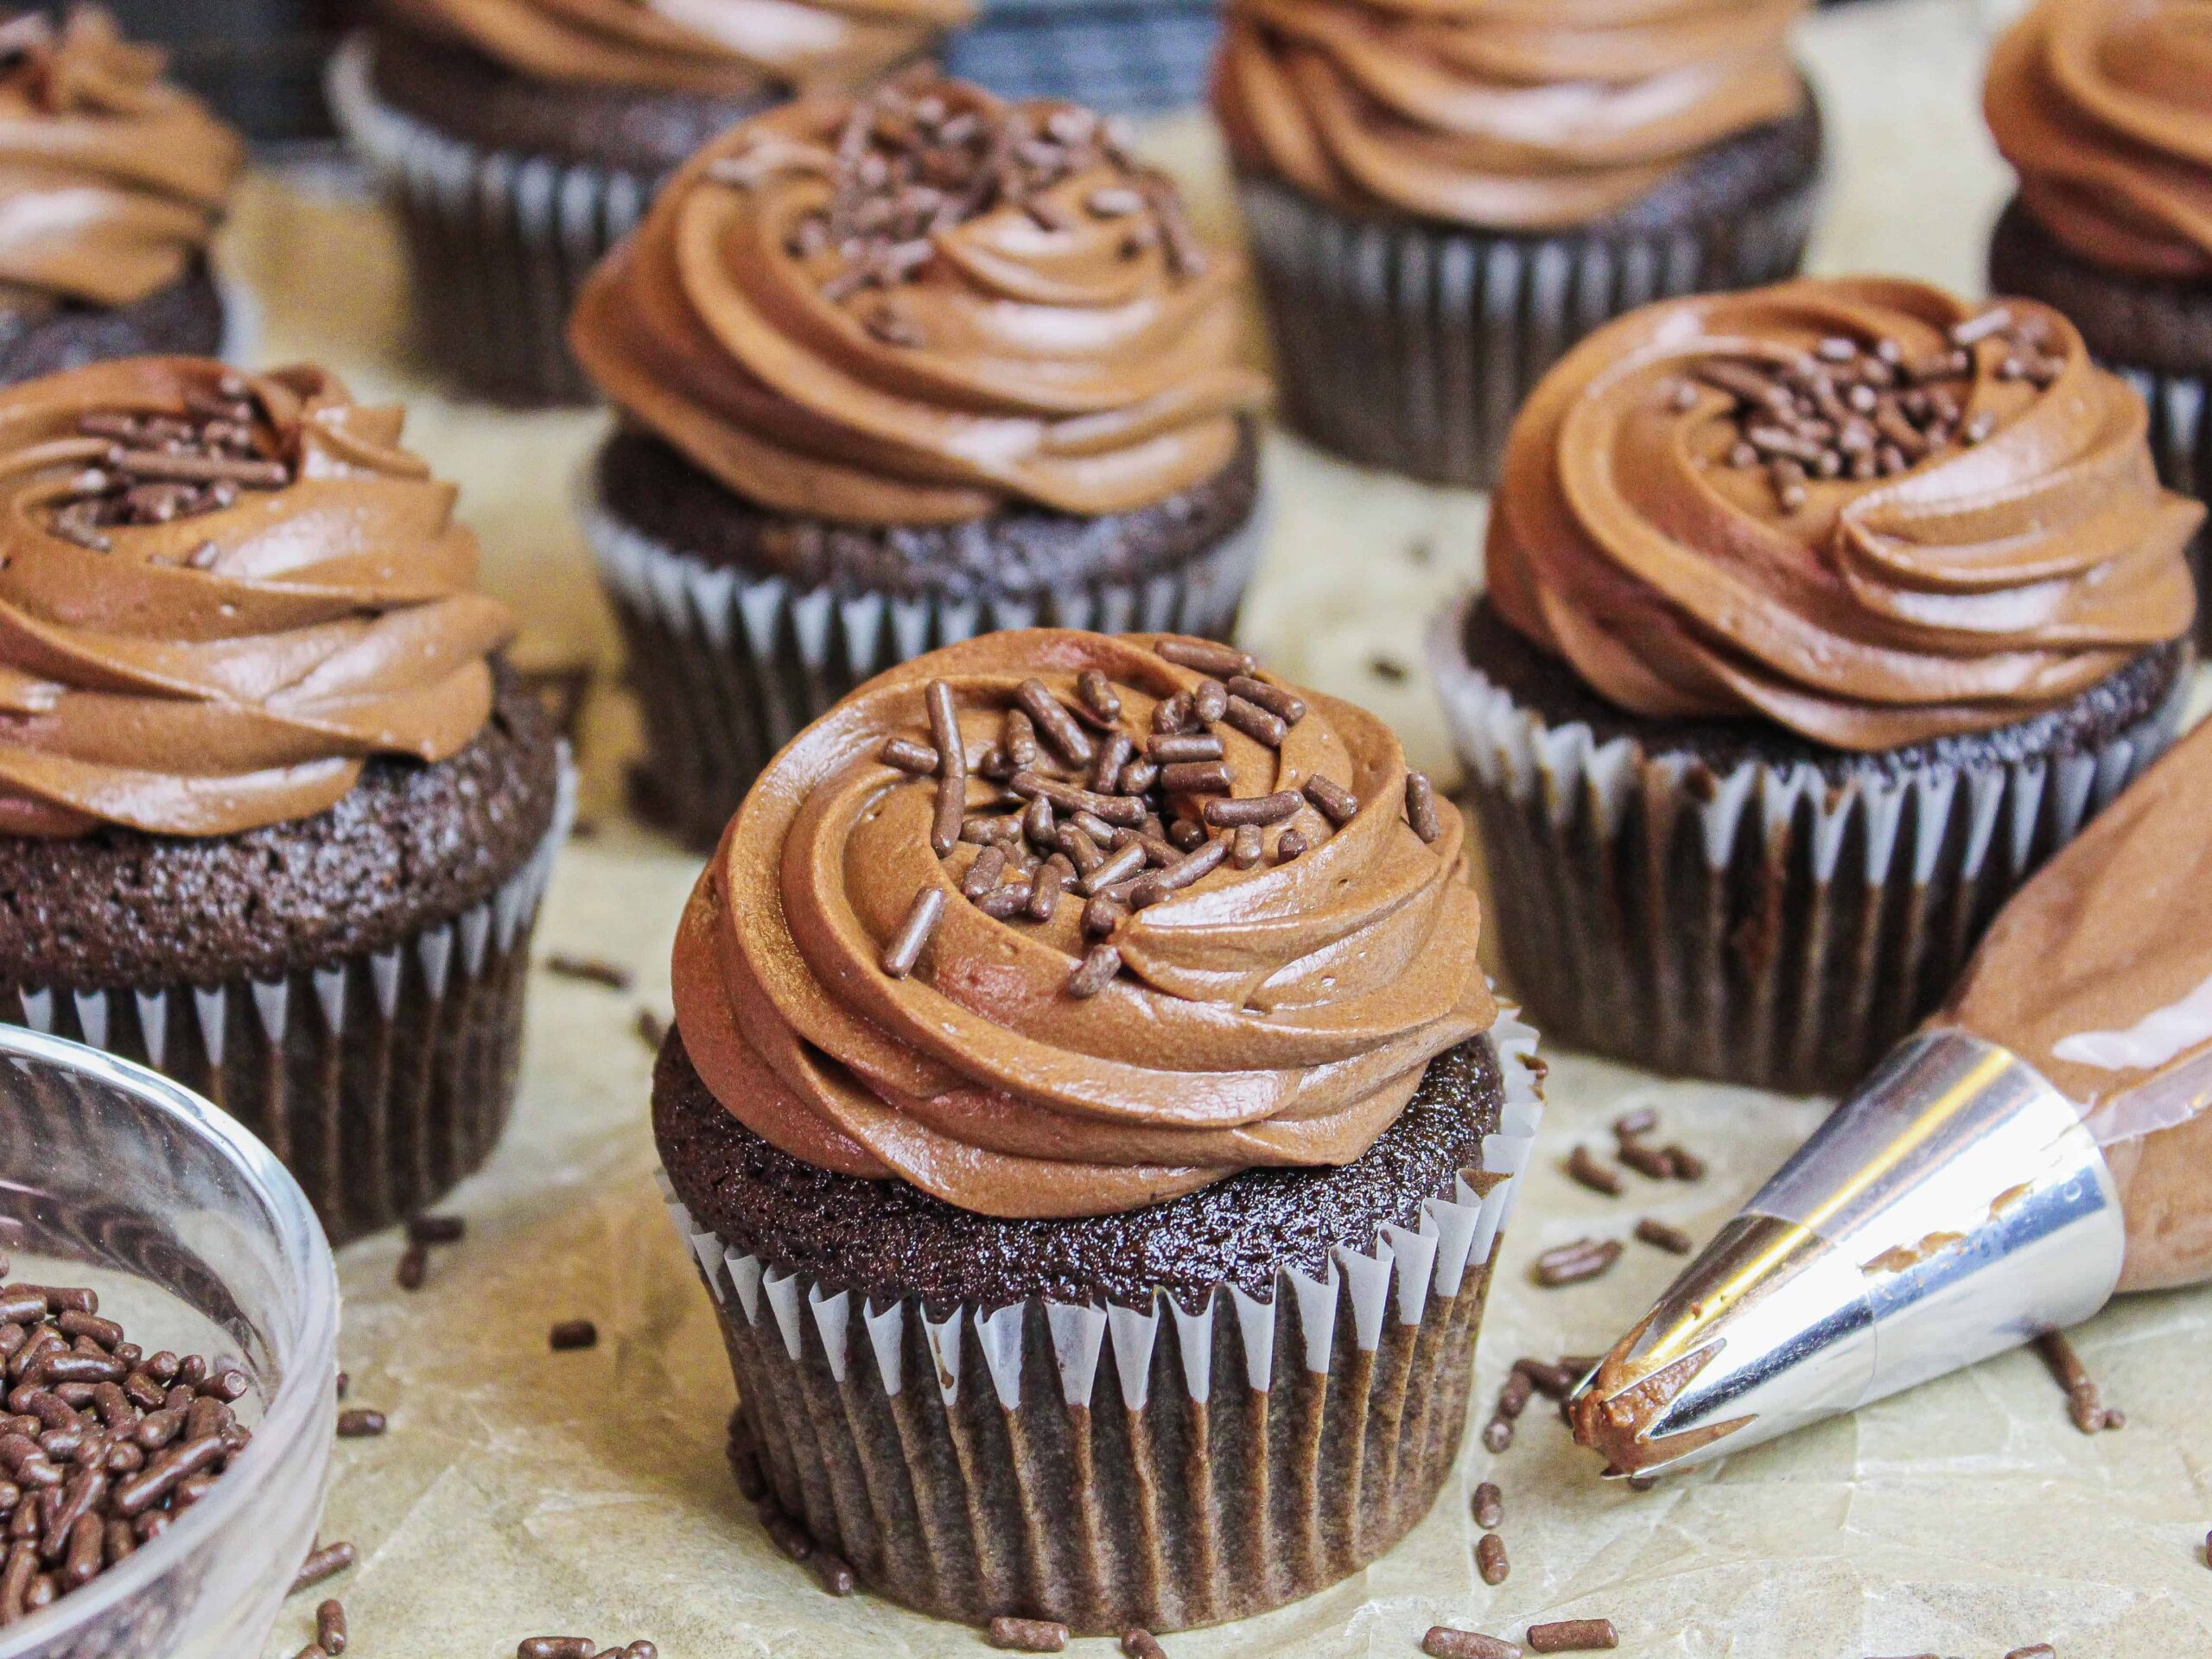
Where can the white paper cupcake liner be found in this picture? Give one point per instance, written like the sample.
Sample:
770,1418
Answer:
499,242
973,1461
378,1080
1410,345
1760,925
728,666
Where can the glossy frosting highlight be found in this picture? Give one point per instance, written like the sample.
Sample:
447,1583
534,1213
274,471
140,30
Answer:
1280,1015
715,48
1520,115
1981,585
233,668
2104,108
112,181
1036,351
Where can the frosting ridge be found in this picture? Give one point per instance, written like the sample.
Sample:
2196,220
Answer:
112,181
2105,109
716,48
1523,115
1277,1012
920,307
1861,508
219,595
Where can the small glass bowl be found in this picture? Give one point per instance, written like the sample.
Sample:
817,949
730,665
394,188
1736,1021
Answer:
198,1241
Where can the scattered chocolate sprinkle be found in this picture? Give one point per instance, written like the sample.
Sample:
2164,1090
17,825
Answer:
414,1268
1041,824
1289,845
1513,1395
1053,723
1172,714
1120,868
1139,1643
2034,1651
345,1382
1107,808
1336,803
909,756
1284,705
1489,1558
984,874
1489,1506
359,1425
649,1028
324,1562
1197,777
1137,777
1389,669
1113,755
1096,973
1498,1434
1255,722
1054,878
1442,1642
1248,847
1209,700
913,936
1420,806
1184,834
1102,914
1191,867
1645,1158
330,1633
427,1228
1656,1232
1028,1635
1004,903
1254,809
1688,1165
1019,740
572,1334
555,1647
2084,1400
1172,749
1098,694
1582,1165
1573,1636
591,969
1205,657
155,468
1574,1264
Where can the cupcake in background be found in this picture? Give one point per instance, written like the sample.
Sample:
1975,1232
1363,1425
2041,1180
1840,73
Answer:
1817,618
892,372
2104,108
274,819
1096,1157
1444,195
112,184
1125,57
521,139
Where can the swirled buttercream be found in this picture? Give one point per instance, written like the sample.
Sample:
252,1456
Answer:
1272,1010
716,48
219,595
920,307
1518,115
1861,508
112,181
2104,108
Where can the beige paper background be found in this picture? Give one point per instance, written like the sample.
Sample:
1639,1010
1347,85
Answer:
521,1492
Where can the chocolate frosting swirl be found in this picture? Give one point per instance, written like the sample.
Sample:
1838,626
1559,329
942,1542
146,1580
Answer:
1280,1015
112,182
1523,115
231,666
1653,528
2105,107
921,308
720,49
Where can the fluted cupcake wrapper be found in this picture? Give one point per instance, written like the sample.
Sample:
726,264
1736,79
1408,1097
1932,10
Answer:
1247,1450
2181,444
1758,925
729,666
379,1080
1409,345
499,242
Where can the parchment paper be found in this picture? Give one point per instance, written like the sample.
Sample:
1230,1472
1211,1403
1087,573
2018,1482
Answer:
521,1492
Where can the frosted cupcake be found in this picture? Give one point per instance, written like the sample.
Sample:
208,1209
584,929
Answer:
1096,1154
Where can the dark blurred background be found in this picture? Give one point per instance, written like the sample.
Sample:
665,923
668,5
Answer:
259,62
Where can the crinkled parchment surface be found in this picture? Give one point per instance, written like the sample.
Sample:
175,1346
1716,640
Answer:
520,1492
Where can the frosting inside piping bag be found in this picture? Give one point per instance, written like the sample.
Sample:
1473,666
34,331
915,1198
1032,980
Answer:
2099,974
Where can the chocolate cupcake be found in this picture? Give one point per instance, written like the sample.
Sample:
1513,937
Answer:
521,139
1444,195
1818,618
113,184
891,373
273,820
2102,108
1014,1048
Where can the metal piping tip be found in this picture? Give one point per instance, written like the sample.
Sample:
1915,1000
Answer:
1953,1208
